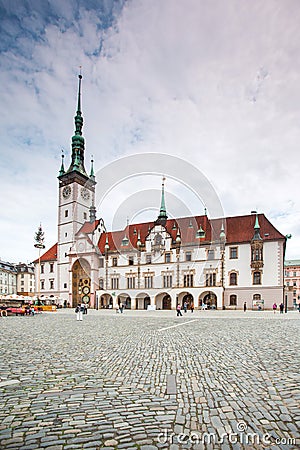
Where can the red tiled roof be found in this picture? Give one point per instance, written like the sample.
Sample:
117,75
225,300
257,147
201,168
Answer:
89,227
238,229
50,255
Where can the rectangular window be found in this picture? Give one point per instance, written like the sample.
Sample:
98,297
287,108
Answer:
188,280
233,253
188,256
167,257
51,267
256,278
115,283
22,276
148,259
167,281
22,283
66,213
115,261
130,282
210,254
130,260
22,289
210,279
42,269
85,216
51,284
294,274
101,262
101,283
65,285
42,284
149,282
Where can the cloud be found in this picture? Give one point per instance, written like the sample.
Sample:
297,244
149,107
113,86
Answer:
170,77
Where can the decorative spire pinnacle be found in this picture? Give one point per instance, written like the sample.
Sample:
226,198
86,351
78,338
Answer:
162,218
92,175
92,211
139,243
62,168
222,232
257,236
106,244
178,238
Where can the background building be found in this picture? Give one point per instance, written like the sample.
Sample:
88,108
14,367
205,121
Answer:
8,278
292,279
25,279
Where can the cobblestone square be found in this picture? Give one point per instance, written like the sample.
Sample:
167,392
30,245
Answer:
149,379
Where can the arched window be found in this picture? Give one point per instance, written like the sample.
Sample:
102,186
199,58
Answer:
233,300
256,297
256,277
233,279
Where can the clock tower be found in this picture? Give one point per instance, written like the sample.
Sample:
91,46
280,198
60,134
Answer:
76,196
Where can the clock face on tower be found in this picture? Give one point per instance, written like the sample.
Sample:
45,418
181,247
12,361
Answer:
85,194
66,191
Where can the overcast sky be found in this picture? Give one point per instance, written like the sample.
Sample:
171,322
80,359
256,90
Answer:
213,82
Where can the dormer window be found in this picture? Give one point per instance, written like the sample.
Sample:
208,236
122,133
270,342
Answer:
125,241
200,233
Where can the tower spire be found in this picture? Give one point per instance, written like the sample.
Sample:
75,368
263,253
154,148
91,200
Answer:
77,162
162,218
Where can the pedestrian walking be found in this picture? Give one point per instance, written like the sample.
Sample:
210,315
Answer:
178,310
79,311
185,305
85,309
274,307
245,306
192,307
299,307
281,307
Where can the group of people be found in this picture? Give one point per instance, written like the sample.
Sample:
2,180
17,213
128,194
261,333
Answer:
185,308
120,308
80,310
281,308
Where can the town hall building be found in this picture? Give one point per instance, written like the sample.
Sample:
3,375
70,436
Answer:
220,263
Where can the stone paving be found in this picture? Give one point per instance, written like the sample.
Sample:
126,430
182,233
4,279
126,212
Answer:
150,380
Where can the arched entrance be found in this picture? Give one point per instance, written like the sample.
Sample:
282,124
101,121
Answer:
105,301
163,301
124,299
142,301
208,300
185,297
81,282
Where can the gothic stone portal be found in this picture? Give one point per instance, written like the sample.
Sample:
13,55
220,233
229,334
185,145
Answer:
81,282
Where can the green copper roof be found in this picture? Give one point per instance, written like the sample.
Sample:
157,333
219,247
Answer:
163,210
77,161
62,168
92,175
257,236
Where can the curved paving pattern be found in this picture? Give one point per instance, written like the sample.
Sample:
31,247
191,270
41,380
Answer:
107,382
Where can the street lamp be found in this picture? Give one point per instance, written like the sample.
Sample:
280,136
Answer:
39,243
